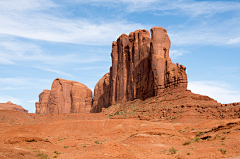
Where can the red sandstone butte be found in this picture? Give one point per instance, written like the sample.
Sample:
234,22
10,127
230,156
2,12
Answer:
142,68
65,97
11,106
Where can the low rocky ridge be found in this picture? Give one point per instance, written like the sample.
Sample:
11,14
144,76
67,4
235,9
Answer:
11,106
65,97
175,107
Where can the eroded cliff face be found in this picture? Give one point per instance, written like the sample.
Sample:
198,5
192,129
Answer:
65,97
101,94
142,68
42,105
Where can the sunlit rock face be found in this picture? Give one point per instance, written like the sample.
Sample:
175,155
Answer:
65,97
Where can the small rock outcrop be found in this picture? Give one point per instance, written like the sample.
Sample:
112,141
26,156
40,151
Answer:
10,106
142,68
65,97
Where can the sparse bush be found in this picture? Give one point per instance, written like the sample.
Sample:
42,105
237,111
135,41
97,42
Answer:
188,153
223,151
65,147
97,142
56,152
186,143
42,155
83,146
196,139
173,150
200,133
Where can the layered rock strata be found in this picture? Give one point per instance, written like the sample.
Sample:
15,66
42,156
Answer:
65,97
142,68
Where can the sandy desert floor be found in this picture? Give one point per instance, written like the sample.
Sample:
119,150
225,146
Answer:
97,136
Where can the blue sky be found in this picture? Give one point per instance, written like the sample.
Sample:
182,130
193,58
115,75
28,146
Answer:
71,39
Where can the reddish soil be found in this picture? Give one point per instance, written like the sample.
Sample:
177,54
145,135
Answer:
187,126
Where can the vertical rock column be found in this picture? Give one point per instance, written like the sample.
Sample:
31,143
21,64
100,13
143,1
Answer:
101,97
113,73
42,105
159,55
123,54
60,99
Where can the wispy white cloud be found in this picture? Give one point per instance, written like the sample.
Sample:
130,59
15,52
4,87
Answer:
31,21
234,41
89,68
220,91
180,7
6,98
15,81
33,101
34,23
21,82
55,71
15,51
23,5
209,32
195,8
176,53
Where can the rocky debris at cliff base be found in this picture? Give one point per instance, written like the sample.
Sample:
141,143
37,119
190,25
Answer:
175,107
10,106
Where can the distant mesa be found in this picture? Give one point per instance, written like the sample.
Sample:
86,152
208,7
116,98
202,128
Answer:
10,106
65,97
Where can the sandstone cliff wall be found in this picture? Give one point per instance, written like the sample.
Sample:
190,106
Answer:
42,105
65,97
101,94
